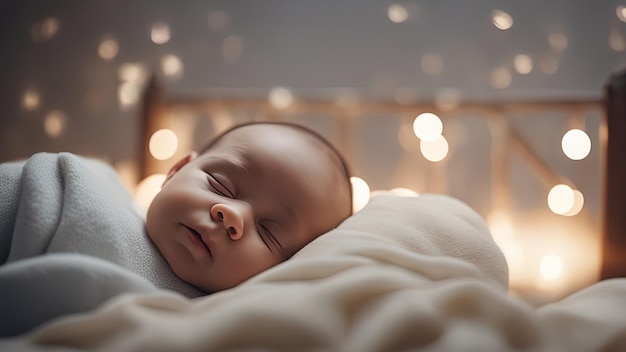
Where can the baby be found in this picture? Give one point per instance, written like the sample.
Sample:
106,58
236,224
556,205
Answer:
252,198
71,239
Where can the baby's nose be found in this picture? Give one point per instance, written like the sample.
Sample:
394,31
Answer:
230,217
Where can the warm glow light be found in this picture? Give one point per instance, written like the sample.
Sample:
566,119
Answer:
280,97
172,66
621,13
576,144
397,13
160,33
360,193
232,48
148,189
561,199
431,64
558,42
54,123
501,19
42,31
500,78
108,48
523,64
549,65
163,144
434,151
501,226
551,267
133,72
128,94
218,20
616,41
579,202
427,127
30,100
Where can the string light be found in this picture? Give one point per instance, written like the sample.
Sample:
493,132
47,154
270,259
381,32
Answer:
501,19
160,33
30,99
616,41
172,66
54,123
128,95
523,64
427,127
280,97
360,193
218,20
232,48
500,78
558,42
397,13
561,199
579,202
576,144
108,48
621,13
435,150
163,144
133,72
431,64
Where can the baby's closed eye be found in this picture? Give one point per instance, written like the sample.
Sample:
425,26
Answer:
219,186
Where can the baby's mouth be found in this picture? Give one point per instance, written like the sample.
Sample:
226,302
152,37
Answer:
199,237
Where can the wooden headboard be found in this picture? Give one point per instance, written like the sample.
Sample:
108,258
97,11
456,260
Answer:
157,105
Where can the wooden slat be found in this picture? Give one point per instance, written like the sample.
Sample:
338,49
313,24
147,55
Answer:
614,190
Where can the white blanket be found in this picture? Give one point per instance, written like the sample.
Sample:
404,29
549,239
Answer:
403,274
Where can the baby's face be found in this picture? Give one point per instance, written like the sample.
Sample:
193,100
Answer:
250,202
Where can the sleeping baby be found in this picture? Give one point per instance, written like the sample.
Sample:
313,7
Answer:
70,237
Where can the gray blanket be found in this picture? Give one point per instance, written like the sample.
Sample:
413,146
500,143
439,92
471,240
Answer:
70,239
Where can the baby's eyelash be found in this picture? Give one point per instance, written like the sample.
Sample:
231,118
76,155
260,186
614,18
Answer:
271,237
219,186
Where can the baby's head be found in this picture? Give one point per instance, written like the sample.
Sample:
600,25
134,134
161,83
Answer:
253,197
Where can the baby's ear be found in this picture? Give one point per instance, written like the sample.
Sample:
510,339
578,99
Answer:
182,162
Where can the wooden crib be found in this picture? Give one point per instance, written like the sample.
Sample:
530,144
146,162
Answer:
159,111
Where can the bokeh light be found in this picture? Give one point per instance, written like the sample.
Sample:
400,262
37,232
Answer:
31,99
218,20
427,127
576,144
232,48
500,78
579,202
561,199
397,13
448,98
133,72
160,33
436,150
431,64
616,41
360,193
147,189
549,65
172,66
551,267
501,19
280,97
620,11
523,64
45,29
108,48
163,144
128,94
54,123
558,42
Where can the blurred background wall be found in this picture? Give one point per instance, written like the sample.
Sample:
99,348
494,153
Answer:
72,73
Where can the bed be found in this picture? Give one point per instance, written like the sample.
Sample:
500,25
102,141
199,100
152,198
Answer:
407,272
